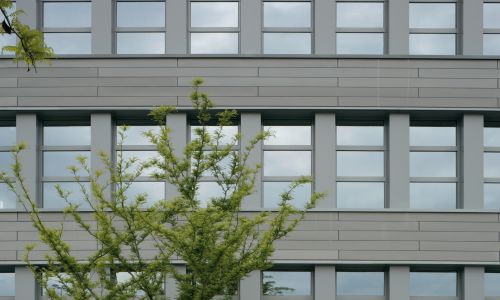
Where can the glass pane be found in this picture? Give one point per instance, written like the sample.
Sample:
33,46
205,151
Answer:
492,195
224,164
56,163
360,14
433,284
214,14
7,284
207,191
282,283
288,135
433,164
140,157
492,136
54,283
69,43
432,136
134,135
491,44
9,11
7,136
122,277
432,44
360,194
273,191
360,283
6,162
491,286
67,14
7,40
287,43
227,135
491,164
491,13
432,15
154,191
66,135
287,163
360,135
433,195
360,163
7,200
140,43
214,43
360,43
51,198
140,14
287,14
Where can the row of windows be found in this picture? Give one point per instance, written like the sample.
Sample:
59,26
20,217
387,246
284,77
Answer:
300,282
214,27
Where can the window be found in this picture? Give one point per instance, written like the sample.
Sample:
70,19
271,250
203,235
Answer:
433,167
135,145
7,282
123,277
62,145
287,27
7,39
360,283
433,28
360,166
433,284
491,286
492,167
67,26
214,27
360,27
287,283
53,282
287,157
209,188
7,142
491,31
140,27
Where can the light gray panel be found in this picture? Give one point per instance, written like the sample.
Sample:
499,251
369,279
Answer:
324,278
459,246
458,92
101,142
377,72
459,226
265,62
324,159
459,73
473,283
418,63
306,255
420,236
472,157
26,286
145,102
250,24
398,27
28,134
150,62
72,235
269,101
420,216
250,286
177,122
262,81
174,91
176,41
98,81
339,91
102,33
154,72
52,92
399,282
348,245
324,26
298,72
396,226
29,7
399,149
8,101
307,236
8,82
43,71
441,256
472,26
171,286
251,125
418,82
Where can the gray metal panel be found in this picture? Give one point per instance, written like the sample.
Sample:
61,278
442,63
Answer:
325,17
399,161
102,27
176,39
324,282
398,31
251,26
251,125
324,159
250,286
101,142
26,286
28,134
399,283
171,286
30,16
473,283
472,27
177,122
472,158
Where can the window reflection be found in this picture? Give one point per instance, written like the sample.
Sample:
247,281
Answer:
491,11
432,44
69,43
8,200
51,198
228,133
7,136
435,284
54,283
492,136
491,286
7,284
287,163
360,135
492,195
207,191
287,43
435,195
214,43
433,164
432,15
491,164
491,44
287,14
57,163
360,14
288,135
360,43
134,135
66,135
154,191
66,14
360,163
360,283
432,136
140,43
6,162
273,191
360,195
140,14
141,157
286,283
214,14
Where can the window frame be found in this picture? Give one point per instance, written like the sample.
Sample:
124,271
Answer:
309,29
444,31
489,149
455,149
191,29
8,149
381,30
364,148
291,148
493,31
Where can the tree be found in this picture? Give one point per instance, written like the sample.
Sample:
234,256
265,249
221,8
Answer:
30,47
219,244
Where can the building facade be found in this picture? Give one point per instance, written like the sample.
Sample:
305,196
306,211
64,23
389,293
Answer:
392,106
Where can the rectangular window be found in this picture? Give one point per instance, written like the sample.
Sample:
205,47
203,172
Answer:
7,39
7,282
7,143
140,27
287,283
491,286
491,28
124,277
287,27
67,26
433,28
62,146
433,284
359,283
360,166
287,157
360,27
214,27
491,166
433,166
133,144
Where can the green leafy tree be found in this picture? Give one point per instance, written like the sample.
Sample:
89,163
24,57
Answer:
219,244
30,46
